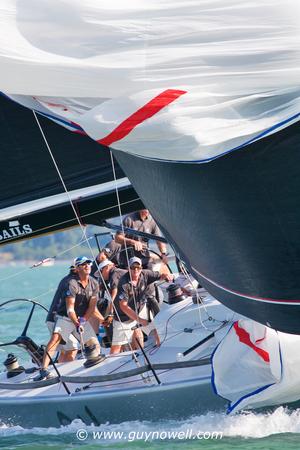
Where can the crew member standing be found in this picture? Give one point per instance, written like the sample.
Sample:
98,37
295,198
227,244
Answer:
74,313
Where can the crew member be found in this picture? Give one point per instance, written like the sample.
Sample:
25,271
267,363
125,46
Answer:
130,297
74,313
137,245
69,350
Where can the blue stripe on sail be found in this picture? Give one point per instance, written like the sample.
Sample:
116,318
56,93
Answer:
58,119
212,366
49,116
231,406
257,391
250,141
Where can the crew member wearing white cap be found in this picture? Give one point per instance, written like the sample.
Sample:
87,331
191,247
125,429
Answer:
130,297
111,275
74,313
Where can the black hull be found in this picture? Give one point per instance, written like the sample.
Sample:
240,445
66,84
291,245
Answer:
236,222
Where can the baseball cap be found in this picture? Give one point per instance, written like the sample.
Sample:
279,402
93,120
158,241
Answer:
81,260
135,260
103,264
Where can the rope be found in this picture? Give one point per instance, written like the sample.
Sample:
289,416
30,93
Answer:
126,250
72,204
83,230
199,300
71,220
122,225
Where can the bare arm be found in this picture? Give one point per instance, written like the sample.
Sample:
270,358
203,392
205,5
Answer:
167,276
91,309
162,247
70,303
131,314
113,295
120,238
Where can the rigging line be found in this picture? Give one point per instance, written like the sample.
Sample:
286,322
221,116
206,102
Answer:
15,274
187,275
122,225
41,295
38,265
126,251
169,318
83,230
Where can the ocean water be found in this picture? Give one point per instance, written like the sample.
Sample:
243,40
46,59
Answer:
250,430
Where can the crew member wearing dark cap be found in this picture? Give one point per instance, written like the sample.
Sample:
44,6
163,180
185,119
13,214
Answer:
130,297
136,245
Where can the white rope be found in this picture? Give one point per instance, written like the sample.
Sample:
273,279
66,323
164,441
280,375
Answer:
68,221
200,304
83,230
40,263
126,250
122,225
74,210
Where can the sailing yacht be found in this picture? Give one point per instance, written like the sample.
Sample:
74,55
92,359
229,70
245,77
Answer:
199,105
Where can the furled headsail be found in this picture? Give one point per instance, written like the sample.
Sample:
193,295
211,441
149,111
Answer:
171,85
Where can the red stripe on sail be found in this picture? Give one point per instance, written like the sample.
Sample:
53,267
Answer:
244,337
145,112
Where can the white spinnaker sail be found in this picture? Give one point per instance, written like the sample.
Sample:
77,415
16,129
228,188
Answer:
154,77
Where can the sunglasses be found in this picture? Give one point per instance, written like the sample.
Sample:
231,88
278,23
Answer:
135,268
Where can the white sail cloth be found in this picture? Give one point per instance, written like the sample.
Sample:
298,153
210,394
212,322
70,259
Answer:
255,366
154,77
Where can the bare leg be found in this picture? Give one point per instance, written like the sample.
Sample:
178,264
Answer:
95,322
51,348
67,355
137,335
115,349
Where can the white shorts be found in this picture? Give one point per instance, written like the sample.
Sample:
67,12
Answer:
66,328
71,343
143,314
122,332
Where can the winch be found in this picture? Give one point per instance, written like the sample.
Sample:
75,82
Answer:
12,366
92,355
